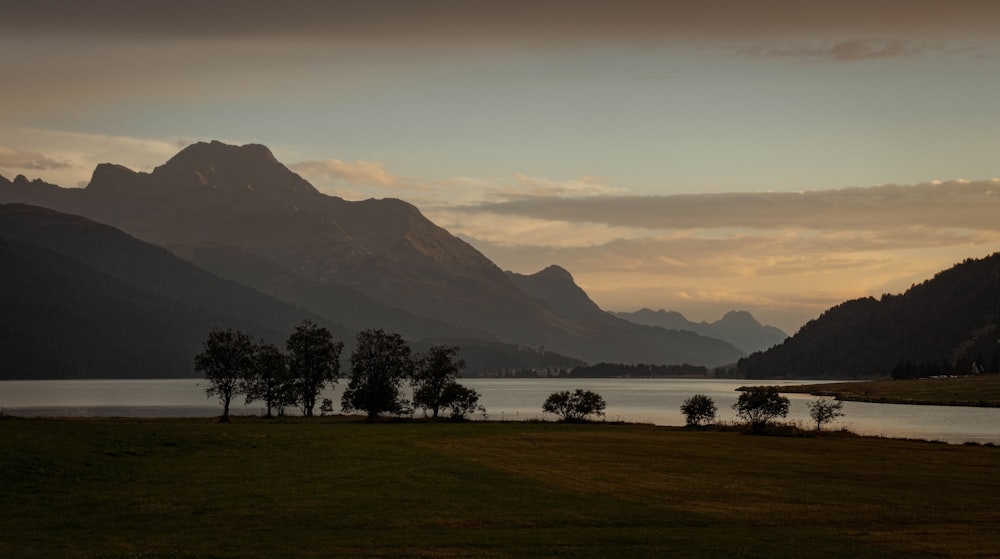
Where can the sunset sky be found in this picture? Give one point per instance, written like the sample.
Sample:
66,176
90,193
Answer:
777,156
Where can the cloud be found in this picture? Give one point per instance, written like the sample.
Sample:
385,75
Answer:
68,158
517,187
360,172
953,204
539,187
62,56
781,278
785,256
28,160
848,50
359,179
513,21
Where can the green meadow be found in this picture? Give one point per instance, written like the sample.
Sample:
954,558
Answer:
976,390
334,487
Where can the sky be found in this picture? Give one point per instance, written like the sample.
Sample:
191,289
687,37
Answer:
776,156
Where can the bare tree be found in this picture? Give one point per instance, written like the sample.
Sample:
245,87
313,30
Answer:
824,411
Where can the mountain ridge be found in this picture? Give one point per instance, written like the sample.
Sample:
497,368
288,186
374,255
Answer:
739,328
242,197
555,287
948,321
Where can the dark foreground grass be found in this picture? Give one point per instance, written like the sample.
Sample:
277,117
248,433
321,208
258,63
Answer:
195,488
975,390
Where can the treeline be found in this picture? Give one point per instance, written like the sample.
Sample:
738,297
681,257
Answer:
381,362
908,369
606,370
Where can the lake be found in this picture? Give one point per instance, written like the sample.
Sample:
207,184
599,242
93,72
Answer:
655,401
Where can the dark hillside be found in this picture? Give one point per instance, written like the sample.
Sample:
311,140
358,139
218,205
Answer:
85,300
949,321
62,319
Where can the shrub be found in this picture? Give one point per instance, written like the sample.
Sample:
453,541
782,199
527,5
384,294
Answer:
575,406
760,404
698,410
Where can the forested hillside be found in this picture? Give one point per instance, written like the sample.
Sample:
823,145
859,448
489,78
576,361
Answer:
948,322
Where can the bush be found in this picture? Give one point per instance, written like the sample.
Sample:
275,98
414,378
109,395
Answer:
461,401
575,406
698,410
760,404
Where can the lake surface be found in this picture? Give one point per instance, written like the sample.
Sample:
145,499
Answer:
655,401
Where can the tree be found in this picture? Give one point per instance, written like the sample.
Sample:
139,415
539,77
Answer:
760,404
326,408
699,410
434,377
379,364
313,361
460,400
824,410
270,381
575,406
227,360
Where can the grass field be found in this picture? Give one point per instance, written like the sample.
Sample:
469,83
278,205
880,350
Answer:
978,390
330,487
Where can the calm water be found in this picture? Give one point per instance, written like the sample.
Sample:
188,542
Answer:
655,401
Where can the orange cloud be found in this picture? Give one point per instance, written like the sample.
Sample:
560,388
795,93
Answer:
28,160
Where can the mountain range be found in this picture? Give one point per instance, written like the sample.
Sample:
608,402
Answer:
739,328
125,277
234,216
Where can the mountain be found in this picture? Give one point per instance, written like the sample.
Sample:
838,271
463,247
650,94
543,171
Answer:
271,229
739,328
609,335
337,302
84,300
948,321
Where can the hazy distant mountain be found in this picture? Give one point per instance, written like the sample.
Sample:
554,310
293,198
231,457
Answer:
242,206
951,319
609,335
739,328
81,299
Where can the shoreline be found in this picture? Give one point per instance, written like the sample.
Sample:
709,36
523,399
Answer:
976,391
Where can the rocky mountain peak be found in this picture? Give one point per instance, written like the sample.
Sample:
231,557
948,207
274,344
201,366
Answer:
742,318
22,180
111,177
224,167
556,274
555,286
